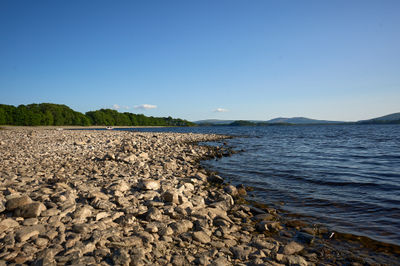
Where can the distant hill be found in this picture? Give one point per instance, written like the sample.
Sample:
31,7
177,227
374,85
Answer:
275,121
391,117
301,120
387,119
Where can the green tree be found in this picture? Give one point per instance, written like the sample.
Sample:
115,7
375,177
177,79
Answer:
3,117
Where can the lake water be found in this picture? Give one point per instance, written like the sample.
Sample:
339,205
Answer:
344,176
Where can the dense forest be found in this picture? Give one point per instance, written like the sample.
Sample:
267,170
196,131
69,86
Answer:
48,114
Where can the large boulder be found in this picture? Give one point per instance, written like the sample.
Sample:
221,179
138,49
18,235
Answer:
16,202
31,210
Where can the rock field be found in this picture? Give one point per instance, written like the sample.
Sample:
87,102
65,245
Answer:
81,197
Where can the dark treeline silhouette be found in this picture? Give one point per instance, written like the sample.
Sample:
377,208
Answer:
48,114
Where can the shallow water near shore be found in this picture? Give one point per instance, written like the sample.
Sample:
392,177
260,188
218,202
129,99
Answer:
346,177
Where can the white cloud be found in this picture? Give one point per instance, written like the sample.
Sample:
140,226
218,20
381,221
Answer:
221,110
126,107
116,106
146,106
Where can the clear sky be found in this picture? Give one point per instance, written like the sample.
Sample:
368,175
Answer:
200,59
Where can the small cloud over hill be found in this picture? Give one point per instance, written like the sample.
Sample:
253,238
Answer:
221,110
146,106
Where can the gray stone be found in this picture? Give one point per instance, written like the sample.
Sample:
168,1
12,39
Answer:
27,232
268,226
264,217
80,228
201,176
121,257
50,212
41,242
179,260
8,223
130,159
14,203
215,179
121,186
170,196
149,184
102,215
82,213
144,155
203,259
294,260
31,210
154,214
202,237
260,244
30,221
166,231
151,228
181,226
221,261
292,248
241,252
231,190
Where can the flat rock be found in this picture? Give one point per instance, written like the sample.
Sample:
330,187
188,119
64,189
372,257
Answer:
221,261
8,223
14,203
27,232
294,260
31,210
201,236
181,226
50,212
101,215
30,221
292,248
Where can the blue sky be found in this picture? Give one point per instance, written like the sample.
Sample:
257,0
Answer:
337,60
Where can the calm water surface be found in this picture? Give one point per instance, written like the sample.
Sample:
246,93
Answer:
346,177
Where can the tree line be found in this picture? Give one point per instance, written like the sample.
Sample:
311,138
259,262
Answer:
48,114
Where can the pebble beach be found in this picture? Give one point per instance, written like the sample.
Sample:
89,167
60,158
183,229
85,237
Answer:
88,197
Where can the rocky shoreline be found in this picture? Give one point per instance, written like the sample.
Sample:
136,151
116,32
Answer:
80,197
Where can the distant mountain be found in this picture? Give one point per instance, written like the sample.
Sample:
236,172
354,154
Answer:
387,119
301,120
391,117
214,122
